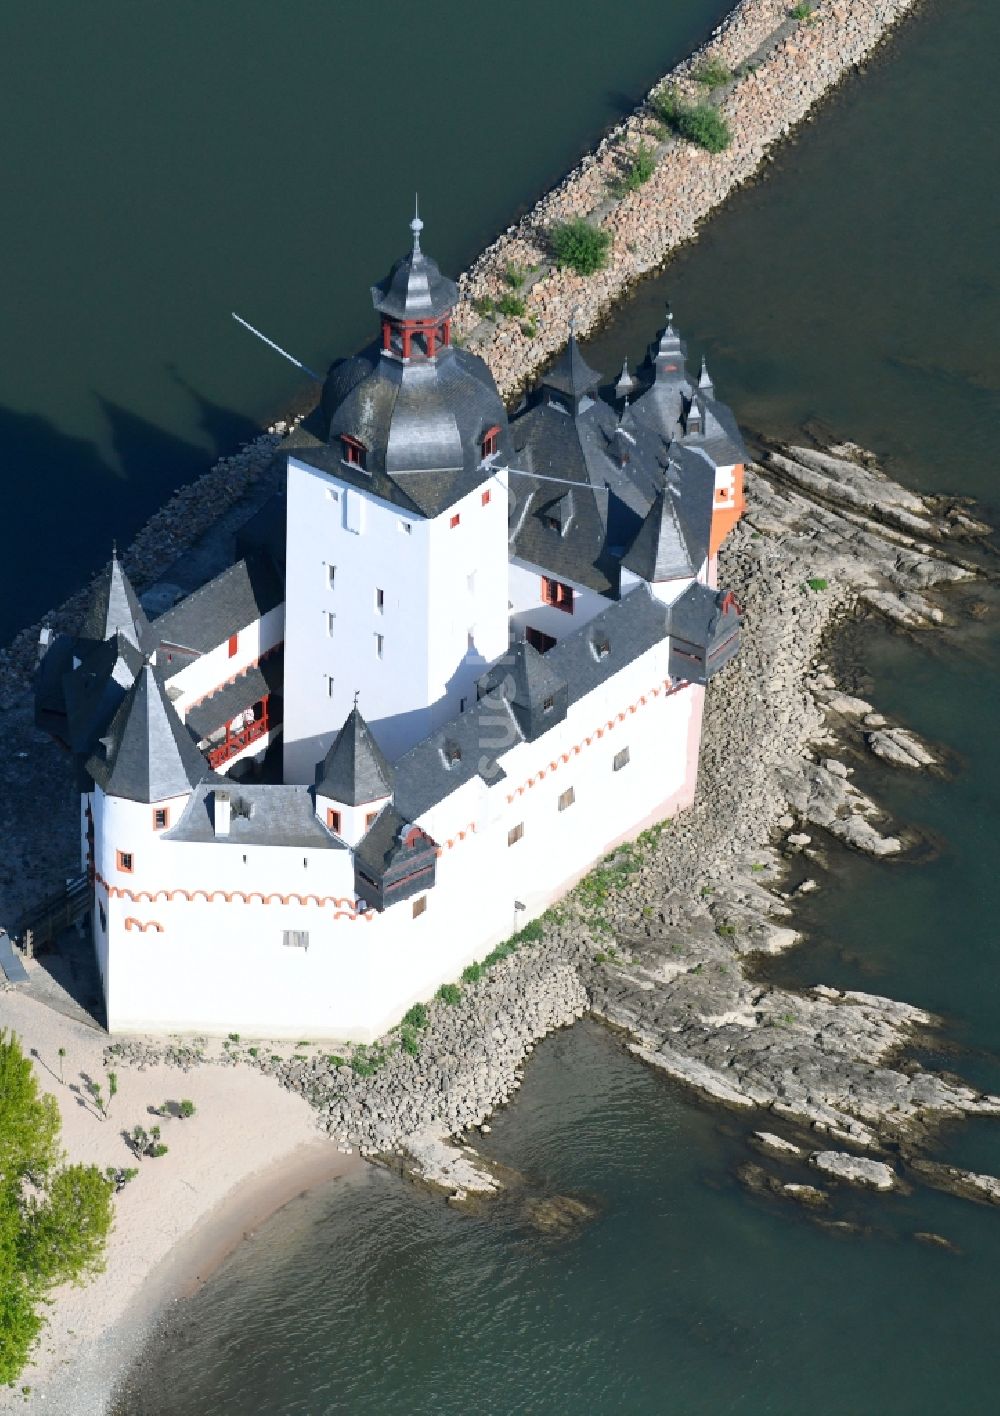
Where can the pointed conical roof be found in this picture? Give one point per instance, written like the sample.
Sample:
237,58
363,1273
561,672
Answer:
537,694
415,289
355,770
571,374
114,608
147,753
705,378
626,383
659,551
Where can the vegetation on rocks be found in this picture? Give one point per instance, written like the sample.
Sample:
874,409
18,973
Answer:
698,123
580,246
511,305
802,11
54,1218
712,73
638,170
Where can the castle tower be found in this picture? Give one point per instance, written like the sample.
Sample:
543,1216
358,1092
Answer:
353,782
397,530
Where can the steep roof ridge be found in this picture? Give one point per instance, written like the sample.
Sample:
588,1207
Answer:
114,609
355,770
149,755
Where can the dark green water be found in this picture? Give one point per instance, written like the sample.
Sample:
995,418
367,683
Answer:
164,164
856,285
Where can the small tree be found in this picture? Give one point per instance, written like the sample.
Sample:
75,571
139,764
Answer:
582,247
185,1108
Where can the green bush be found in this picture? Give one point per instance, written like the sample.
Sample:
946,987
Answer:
515,275
472,973
334,1059
817,583
484,306
529,328
185,1109
365,1061
582,247
449,993
699,123
638,170
802,11
417,1016
511,305
409,1040
54,1218
712,73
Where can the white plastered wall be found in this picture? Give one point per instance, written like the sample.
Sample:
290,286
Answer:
527,607
206,674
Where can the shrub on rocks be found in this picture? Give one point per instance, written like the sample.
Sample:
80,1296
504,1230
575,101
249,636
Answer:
698,123
582,247
712,73
637,171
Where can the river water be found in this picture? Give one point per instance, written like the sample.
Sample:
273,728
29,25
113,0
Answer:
854,286
169,163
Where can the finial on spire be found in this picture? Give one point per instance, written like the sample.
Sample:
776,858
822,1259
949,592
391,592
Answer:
114,548
357,693
416,225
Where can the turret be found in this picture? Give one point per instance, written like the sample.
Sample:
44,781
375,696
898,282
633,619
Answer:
353,782
114,609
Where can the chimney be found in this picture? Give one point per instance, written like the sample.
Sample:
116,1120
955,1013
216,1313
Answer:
221,812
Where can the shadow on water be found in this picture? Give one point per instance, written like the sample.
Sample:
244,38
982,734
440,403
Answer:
69,485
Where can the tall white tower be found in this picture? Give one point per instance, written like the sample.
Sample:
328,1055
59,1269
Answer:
396,583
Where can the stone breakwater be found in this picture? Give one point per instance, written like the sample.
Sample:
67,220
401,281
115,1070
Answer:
781,66
661,943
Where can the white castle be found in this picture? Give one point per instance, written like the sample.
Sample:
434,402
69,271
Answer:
460,661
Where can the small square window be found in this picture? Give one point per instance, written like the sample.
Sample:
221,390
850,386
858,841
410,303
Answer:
491,439
487,497
295,938
548,704
405,527
354,452
370,819
161,818
419,906
567,798
332,495
333,820
515,833
379,601
379,645
621,759
124,861
234,644
454,521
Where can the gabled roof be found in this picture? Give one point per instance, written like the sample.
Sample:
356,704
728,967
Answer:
263,815
114,609
235,599
691,477
391,841
415,289
529,684
257,682
147,753
355,770
701,615
659,551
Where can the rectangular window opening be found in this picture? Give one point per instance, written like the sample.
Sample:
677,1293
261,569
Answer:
405,527
567,798
234,644
295,938
124,861
331,576
329,685
621,759
454,521
330,618
556,594
515,833
161,818
379,645
539,640
419,906
548,704
379,601
370,819
487,497
333,820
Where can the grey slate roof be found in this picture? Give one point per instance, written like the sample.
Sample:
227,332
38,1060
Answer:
691,477
421,424
259,681
354,770
571,374
659,551
207,617
259,815
147,753
415,289
529,683
429,771
702,614
114,609
384,847
96,688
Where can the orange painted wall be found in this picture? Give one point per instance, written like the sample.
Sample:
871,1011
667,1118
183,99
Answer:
727,513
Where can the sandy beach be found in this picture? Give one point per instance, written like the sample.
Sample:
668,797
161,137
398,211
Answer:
250,1147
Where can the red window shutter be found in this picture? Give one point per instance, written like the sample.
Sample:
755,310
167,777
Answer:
486,497
455,520
234,641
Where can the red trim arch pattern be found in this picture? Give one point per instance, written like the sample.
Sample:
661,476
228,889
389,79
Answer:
345,906
132,923
668,687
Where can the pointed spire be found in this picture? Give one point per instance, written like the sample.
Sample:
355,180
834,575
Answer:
114,608
416,225
571,374
626,383
147,754
659,551
704,378
354,770
415,289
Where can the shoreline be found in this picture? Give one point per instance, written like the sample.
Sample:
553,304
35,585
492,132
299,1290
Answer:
251,1148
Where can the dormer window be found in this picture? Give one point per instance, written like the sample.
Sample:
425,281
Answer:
491,441
548,704
600,647
451,753
556,594
354,453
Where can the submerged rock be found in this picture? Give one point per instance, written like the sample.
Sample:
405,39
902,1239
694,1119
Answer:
900,747
857,1170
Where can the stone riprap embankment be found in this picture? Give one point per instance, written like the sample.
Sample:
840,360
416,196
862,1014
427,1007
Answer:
781,67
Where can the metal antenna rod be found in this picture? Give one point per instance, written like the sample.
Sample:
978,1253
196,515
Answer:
276,347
